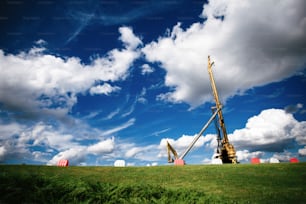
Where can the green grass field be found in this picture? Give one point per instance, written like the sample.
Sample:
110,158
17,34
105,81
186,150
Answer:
242,183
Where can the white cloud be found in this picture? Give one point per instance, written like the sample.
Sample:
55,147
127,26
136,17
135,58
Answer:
283,156
120,127
46,135
75,156
2,152
141,97
146,69
130,164
208,161
78,154
129,112
8,130
40,156
246,155
112,114
299,132
154,164
181,144
133,151
105,146
104,89
272,130
302,152
56,142
11,146
92,115
184,141
273,160
257,42
18,142
142,153
40,42
33,81
128,37
95,13
159,132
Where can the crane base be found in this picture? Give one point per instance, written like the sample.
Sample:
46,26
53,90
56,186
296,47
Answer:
179,162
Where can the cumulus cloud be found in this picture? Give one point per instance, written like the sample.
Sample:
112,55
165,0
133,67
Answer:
14,142
45,135
104,89
142,153
34,81
18,141
47,143
75,156
79,153
253,43
105,146
128,37
272,130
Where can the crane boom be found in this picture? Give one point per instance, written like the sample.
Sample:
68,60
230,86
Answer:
216,97
227,150
180,160
200,133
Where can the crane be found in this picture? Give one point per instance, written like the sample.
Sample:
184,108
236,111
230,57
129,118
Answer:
225,150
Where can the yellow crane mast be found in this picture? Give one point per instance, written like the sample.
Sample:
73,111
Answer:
225,150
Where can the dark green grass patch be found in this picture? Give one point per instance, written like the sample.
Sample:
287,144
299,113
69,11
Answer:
265,183
33,187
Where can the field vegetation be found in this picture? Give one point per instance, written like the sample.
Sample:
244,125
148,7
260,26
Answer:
243,183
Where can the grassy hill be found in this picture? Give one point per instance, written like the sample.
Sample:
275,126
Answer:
243,183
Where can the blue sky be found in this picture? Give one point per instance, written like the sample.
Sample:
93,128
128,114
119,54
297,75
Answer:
98,81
